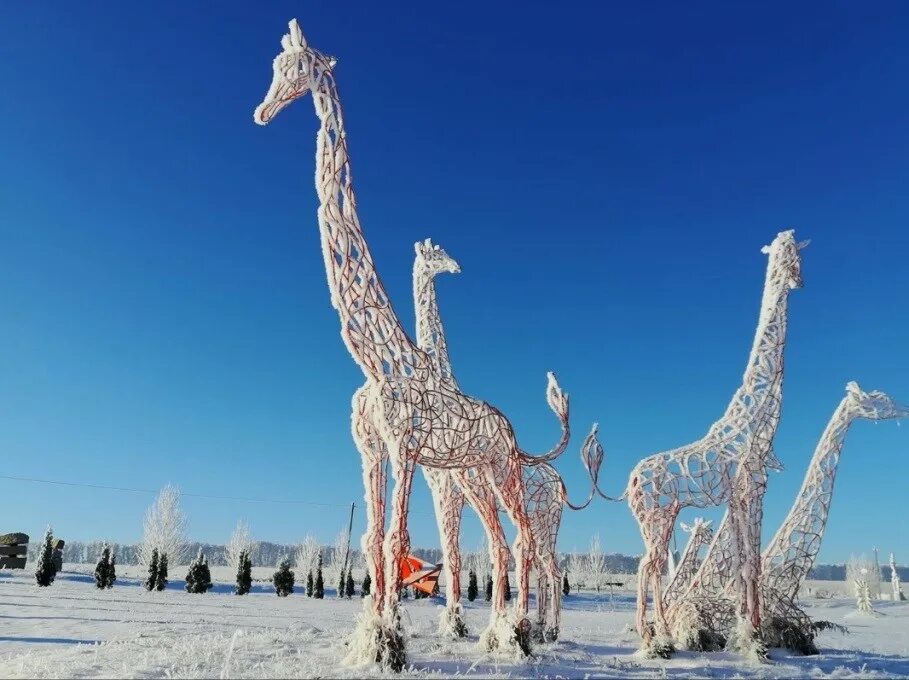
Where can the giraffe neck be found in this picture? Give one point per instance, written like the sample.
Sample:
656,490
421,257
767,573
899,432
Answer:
369,326
430,332
795,546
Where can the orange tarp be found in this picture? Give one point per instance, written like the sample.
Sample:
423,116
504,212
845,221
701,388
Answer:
419,574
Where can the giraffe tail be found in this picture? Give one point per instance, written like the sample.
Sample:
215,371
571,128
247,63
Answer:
592,458
558,402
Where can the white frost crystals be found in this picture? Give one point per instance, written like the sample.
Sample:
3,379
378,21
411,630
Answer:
164,528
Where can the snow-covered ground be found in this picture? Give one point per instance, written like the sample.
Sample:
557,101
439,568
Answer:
74,630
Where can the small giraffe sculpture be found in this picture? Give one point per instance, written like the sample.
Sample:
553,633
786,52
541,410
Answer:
407,411
545,491
701,533
791,553
789,556
704,474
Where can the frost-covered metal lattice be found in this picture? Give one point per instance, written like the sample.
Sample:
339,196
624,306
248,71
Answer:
700,534
791,553
725,465
544,490
407,411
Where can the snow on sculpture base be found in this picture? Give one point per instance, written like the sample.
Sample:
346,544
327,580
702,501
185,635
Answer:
452,624
506,637
376,640
747,642
694,629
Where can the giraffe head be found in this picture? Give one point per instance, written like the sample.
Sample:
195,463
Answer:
700,530
873,405
433,260
785,258
296,69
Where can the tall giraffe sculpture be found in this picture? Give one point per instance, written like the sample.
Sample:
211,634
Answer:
407,411
545,491
701,474
701,534
791,553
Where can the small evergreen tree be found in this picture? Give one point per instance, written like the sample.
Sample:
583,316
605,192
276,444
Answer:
244,573
310,584
111,571
565,587
198,578
367,585
319,591
472,589
161,582
488,587
283,579
349,586
152,580
102,568
342,583
507,588
45,572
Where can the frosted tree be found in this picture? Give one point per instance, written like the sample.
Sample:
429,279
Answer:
165,528
45,571
577,567
338,555
896,590
874,582
595,565
859,572
240,542
305,561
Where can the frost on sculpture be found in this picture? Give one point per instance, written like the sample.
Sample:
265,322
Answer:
405,410
896,591
789,556
701,534
727,465
544,491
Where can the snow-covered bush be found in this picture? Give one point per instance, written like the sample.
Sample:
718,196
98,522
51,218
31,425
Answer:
349,585
244,574
46,571
198,578
164,528
319,587
472,589
283,579
105,570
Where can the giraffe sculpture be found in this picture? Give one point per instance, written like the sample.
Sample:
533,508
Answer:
706,611
406,411
701,474
791,553
701,534
545,491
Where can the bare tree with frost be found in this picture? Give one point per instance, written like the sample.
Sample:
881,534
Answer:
306,555
896,590
240,542
165,528
595,565
860,573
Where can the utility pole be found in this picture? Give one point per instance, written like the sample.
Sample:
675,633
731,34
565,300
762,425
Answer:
347,549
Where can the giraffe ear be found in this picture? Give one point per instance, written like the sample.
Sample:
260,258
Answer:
686,527
765,250
296,35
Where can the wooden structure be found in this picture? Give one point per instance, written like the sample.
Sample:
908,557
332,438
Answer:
13,550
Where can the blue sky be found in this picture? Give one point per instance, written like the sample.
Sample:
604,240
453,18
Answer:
605,177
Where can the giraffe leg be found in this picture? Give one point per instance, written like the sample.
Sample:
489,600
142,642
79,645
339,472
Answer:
364,645
511,495
643,587
499,633
395,548
555,595
451,504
